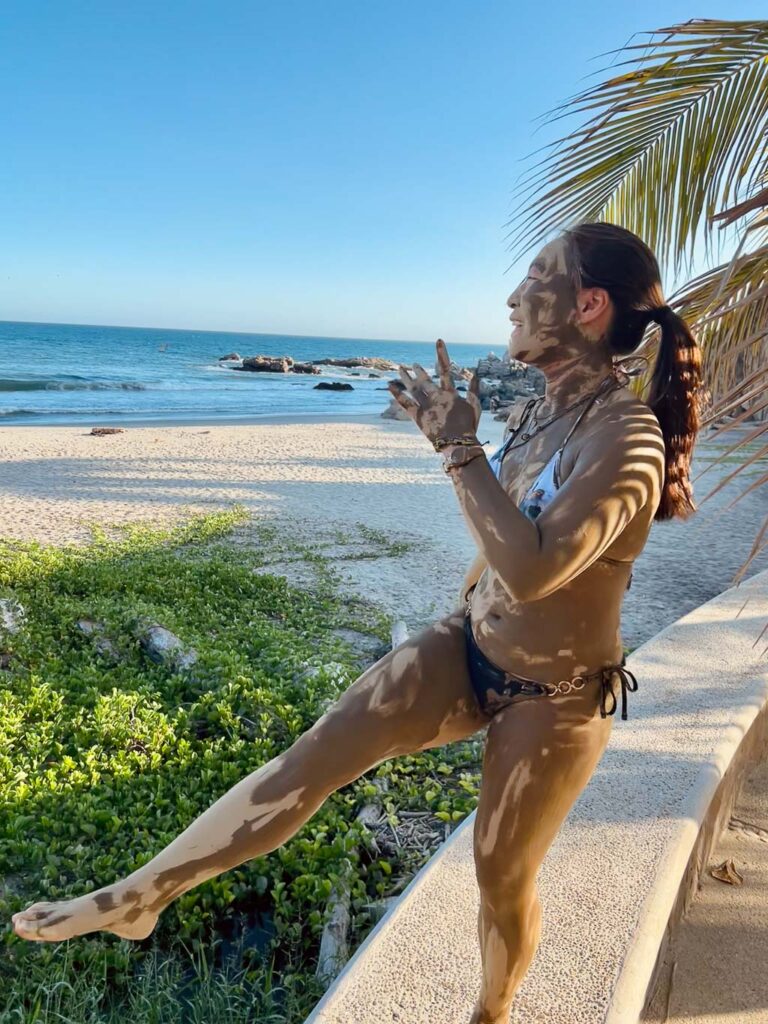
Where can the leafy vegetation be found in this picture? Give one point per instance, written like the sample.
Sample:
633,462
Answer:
104,760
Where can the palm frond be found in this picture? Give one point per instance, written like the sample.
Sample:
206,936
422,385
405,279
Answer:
670,143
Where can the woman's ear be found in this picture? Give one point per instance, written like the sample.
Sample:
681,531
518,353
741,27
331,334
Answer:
594,308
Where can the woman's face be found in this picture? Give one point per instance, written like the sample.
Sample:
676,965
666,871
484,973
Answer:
544,309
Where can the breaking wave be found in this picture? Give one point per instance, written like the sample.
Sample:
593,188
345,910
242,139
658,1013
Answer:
67,384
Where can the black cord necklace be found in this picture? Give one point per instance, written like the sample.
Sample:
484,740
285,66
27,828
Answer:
530,410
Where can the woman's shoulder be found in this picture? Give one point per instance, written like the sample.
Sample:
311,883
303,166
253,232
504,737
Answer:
619,427
625,409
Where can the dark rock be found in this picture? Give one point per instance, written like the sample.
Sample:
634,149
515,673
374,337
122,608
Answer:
164,648
266,364
232,357
11,885
305,368
102,644
334,385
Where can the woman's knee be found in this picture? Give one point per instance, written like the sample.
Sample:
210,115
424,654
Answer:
505,875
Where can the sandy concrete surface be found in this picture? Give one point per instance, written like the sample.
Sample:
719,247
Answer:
317,476
721,950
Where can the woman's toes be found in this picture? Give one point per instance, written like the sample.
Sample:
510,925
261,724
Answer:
52,922
27,922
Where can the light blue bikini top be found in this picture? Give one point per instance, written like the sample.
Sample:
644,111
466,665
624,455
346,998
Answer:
546,484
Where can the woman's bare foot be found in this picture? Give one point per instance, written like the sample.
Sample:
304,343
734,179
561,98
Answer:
108,910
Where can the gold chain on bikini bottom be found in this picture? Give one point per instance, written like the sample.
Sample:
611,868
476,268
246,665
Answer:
605,676
565,686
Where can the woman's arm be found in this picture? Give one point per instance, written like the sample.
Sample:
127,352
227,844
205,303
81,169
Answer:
472,575
618,471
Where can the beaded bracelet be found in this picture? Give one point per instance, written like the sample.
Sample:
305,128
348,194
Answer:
442,442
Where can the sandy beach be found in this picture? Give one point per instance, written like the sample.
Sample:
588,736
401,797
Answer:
322,478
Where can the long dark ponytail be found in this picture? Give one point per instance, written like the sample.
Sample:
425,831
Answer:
604,255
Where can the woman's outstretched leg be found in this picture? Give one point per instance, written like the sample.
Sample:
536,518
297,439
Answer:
539,755
417,696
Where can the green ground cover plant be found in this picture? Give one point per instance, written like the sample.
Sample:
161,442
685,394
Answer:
106,757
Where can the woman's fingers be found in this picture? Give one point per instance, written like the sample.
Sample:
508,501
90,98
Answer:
407,379
423,379
400,393
444,363
473,394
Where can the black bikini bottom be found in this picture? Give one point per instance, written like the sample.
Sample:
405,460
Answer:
493,686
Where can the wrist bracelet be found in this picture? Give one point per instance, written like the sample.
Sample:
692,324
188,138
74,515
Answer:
461,457
442,442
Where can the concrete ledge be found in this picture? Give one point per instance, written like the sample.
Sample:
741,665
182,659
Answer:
624,864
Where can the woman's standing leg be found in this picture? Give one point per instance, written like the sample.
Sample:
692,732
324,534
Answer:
417,696
539,755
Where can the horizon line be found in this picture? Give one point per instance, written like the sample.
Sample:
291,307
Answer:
258,334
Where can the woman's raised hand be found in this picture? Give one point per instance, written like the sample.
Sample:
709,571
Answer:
438,411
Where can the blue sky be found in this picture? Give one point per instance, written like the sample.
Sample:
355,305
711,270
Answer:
327,168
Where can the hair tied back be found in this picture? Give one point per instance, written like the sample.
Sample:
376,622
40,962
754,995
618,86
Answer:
661,314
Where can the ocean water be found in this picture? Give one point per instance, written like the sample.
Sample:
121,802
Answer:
70,374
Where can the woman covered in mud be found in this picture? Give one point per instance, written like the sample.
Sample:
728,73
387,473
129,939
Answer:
533,652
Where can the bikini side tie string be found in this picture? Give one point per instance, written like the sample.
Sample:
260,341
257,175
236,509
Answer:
628,683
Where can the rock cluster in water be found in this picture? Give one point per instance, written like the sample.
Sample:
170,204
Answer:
285,364
272,364
505,381
370,362
502,381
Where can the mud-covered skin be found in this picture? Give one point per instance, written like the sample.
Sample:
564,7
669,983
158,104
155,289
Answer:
539,755
548,597
547,602
439,411
543,607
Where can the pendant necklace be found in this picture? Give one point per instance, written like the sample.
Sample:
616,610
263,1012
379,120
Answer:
530,411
